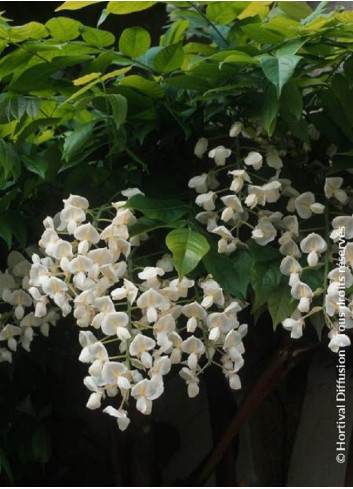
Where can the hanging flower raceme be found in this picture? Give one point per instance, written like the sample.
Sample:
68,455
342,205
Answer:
240,210
18,324
136,323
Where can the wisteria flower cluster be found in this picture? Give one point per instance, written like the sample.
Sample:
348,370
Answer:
21,313
236,204
138,322
135,323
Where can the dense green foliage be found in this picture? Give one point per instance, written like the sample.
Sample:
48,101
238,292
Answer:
80,108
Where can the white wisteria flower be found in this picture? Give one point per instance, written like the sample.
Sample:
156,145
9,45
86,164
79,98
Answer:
192,381
314,245
239,178
193,312
306,206
290,266
264,232
199,183
220,154
233,207
338,340
295,324
121,415
140,346
254,159
342,227
303,293
235,129
273,159
201,147
207,201
333,189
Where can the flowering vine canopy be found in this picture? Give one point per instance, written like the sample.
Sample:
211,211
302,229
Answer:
205,180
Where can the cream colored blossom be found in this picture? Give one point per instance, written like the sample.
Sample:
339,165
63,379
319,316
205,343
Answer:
194,312
220,154
207,201
303,293
264,232
314,245
306,206
333,189
254,159
201,147
239,178
235,129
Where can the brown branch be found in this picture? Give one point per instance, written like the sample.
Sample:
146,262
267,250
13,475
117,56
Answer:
266,384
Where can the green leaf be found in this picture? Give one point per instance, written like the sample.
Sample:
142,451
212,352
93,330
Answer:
32,30
284,26
265,279
165,210
134,41
265,273
74,5
314,277
120,8
145,225
76,140
18,227
340,86
147,87
97,37
241,58
259,34
175,33
188,248
9,162
270,110
12,107
83,80
232,273
188,82
292,99
280,303
34,78
32,106
13,61
296,10
4,35
278,70
318,321
223,13
169,58
38,166
290,47
119,108
63,28
319,10
255,8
